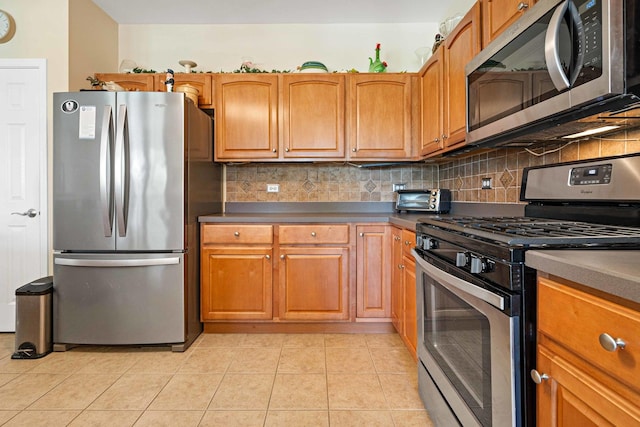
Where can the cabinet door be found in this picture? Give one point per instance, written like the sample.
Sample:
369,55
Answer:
571,397
380,116
143,82
459,48
200,81
314,283
313,116
498,15
397,290
373,275
246,116
236,283
410,322
432,100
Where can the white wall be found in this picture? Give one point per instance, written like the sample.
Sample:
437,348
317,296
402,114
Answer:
340,47
218,48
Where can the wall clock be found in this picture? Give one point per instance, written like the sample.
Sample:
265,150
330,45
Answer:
7,26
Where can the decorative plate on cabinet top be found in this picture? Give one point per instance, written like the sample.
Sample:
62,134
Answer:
313,67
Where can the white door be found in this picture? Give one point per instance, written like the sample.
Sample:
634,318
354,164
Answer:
23,180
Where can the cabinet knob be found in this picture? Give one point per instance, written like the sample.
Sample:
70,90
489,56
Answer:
611,344
523,6
436,140
537,377
397,238
354,150
407,242
361,234
399,266
444,137
237,233
282,257
274,150
267,256
313,234
286,149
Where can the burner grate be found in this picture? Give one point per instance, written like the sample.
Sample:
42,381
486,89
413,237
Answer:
536,231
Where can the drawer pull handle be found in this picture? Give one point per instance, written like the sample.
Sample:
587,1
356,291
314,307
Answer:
237,233
537,377
611,344
313,234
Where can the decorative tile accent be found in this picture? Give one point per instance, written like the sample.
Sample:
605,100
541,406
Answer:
459,182
370,186
506,178
308,186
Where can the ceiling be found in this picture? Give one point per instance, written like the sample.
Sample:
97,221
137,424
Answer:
275,11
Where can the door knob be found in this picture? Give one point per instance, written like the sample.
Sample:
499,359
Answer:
31,213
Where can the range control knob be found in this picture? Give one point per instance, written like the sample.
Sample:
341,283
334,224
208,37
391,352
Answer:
429,243
461,259
480,265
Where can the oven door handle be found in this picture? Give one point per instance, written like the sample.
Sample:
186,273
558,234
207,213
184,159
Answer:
449,281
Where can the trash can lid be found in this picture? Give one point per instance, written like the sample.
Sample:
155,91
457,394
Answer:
40,286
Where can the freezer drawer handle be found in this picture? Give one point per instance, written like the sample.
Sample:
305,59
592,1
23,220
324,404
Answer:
116,262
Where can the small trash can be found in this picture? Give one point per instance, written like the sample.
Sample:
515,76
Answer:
34,315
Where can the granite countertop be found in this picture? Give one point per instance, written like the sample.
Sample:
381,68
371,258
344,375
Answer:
327,212
615,272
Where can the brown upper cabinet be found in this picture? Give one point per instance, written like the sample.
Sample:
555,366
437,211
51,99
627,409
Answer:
497,15
130,81
432,100
200,81
380,107
443,82
459,48
149,82
313,116
246,117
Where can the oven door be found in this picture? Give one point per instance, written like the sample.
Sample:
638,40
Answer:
468,346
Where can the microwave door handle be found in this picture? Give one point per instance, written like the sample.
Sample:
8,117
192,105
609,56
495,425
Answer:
119,170
552,46
578,32
449,281
106,195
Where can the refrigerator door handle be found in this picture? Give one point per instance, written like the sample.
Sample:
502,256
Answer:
71,262
106,194
120,170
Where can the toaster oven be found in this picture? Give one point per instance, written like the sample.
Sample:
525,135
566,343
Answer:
434,200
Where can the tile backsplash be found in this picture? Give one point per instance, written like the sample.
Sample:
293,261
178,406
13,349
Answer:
324,182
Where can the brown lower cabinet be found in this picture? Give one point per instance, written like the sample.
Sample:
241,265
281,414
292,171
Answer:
296,273
403,288
236,272
581,383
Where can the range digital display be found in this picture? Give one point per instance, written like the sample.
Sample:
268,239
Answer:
591,175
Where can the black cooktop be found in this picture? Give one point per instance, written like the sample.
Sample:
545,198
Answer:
535,232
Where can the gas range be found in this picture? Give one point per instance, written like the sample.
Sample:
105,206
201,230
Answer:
477,296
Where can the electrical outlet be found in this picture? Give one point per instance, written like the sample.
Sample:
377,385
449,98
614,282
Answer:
486,183
273,188
400,186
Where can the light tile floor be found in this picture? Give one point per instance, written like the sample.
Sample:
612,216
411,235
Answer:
221,380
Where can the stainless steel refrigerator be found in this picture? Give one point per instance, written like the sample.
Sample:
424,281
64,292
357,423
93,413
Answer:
132,171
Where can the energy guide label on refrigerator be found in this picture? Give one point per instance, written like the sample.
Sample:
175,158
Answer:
87,122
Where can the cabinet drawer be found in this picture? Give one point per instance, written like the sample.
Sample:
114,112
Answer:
408,242
576,320
314,234
237,233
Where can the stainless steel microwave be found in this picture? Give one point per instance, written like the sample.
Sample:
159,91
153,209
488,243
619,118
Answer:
564,70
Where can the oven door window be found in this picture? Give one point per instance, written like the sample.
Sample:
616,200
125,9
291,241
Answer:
458,338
